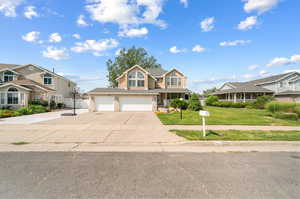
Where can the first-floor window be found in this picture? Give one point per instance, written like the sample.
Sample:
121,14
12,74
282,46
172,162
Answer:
12,96
2,98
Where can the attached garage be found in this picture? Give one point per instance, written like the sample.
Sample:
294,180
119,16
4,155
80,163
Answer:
136,103
104,103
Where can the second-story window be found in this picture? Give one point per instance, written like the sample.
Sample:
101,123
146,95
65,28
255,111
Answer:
8,76
136,79
173,80
47,79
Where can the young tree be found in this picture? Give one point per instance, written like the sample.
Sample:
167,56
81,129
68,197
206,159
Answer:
194,103
125,60
208,92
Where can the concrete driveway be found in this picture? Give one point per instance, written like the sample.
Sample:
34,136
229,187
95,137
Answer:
106,128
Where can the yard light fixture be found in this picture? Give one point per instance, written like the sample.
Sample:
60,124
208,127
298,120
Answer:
75,92
181,99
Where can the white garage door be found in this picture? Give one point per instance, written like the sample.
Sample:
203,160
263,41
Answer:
104,103
135,103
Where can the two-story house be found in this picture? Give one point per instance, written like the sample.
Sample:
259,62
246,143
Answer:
20,84
140,89
284,87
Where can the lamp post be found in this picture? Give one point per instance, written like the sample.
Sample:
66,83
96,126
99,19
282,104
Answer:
75,92
181,108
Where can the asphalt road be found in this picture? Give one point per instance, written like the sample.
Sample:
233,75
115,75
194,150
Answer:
149,175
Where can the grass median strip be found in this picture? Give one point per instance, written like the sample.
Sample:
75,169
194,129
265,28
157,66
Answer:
238,135
20,143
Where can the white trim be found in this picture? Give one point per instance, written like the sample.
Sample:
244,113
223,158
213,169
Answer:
16,85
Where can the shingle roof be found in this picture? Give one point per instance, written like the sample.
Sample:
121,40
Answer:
156,72
269,79
245,88
289,93
9,66
28,82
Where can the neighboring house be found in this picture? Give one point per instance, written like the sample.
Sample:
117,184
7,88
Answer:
284,87
20,84
140,90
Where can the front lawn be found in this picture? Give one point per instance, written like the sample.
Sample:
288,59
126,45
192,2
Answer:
226,116
236,135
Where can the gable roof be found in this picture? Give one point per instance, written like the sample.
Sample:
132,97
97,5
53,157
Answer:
16,66
15,85
136,66
271,79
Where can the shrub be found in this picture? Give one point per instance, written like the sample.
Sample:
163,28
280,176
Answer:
286,116
38,109
44,103
194,103
60,105
297,110
261,101
179,104
275,106
226,104
211,100
52,105
24,111
6,113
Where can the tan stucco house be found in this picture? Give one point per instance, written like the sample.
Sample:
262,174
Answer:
140,89
20,84
284,87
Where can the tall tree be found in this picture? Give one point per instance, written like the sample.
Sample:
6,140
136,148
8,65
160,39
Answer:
208,92
125,60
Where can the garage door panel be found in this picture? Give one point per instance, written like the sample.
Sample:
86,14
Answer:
104,103
135,103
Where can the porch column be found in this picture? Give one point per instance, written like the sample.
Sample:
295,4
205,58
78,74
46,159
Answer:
244,97
234,97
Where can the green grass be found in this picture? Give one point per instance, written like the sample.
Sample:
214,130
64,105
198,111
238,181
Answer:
236,135
20,143
226,116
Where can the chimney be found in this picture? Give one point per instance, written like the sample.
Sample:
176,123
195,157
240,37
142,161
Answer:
53,70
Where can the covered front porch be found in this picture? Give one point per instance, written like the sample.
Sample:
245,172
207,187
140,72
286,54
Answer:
164,99
240,97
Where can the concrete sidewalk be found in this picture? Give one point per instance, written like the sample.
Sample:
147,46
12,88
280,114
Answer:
233,127
195,147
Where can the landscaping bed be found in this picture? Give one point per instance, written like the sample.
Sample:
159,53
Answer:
29,110
238,135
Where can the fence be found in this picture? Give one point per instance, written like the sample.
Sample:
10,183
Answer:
80,103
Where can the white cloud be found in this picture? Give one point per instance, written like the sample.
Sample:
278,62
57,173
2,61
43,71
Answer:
185,3
234,43
30,12
55,38
248,76
253,67
126,12
263,73
292,70
134,32
76,36
81,21
8,7
31,36
248,23
284,60
175,50
198,49
215,80
259,6
55,53
96,47
207,24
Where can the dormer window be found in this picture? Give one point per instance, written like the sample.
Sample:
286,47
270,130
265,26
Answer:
8,76
136,79
47,79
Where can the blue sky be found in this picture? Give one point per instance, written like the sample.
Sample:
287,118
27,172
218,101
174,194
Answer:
211,41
